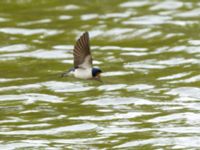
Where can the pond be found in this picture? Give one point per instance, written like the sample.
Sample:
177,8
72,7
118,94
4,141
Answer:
149,52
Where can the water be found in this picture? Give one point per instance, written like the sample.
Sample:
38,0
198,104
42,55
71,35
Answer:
149,51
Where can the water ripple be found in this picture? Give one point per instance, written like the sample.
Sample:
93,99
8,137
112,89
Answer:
14,48
175,76
111,87
3,19
134,4
41,54
43,21
188,92
72,128
117,101
113,117
31,98
28,32
148,20
179,142
190,13
167,5
69,7
66,86
140,87
188,117
116,73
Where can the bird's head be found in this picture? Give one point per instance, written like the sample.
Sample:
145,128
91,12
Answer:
96,73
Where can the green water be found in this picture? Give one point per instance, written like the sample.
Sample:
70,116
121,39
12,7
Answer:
148,50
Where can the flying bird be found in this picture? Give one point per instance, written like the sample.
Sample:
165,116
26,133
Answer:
83,68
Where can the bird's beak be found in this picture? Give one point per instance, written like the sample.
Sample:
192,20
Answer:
98,78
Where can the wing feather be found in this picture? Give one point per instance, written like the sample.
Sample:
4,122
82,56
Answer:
82,54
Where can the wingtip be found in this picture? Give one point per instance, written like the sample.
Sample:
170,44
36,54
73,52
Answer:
86,32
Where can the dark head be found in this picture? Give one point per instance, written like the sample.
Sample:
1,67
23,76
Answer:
96,72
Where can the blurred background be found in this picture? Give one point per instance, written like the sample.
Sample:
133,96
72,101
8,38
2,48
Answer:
149,51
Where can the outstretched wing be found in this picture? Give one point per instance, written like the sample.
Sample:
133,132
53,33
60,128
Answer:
82,55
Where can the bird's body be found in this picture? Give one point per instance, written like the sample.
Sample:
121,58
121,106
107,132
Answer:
83,68
82,73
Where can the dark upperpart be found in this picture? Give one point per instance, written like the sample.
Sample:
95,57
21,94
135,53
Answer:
96,72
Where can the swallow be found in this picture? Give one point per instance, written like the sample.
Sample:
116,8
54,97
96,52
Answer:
83,68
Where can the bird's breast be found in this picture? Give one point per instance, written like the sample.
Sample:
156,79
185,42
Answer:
83,73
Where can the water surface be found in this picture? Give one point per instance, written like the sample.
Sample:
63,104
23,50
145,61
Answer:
149,51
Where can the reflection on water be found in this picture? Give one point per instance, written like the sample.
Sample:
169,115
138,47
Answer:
149,52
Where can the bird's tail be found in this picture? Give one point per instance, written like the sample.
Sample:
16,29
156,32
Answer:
66,73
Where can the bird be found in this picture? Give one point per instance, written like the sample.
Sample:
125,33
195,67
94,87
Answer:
83,67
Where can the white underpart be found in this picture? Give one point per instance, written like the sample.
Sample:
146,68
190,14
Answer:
83,73
85,69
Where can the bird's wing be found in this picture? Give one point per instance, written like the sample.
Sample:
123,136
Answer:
82,55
